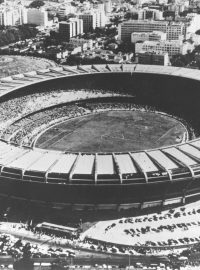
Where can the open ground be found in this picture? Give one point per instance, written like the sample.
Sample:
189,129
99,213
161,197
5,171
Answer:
113,131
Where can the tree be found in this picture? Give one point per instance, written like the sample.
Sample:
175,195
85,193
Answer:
23,264
36,4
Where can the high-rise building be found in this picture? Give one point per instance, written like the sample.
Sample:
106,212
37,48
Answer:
23,15
126,28
66,30
89,21
77,26
13,15
92,20
72,28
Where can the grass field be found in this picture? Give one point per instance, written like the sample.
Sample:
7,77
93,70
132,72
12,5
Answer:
113,131
12,64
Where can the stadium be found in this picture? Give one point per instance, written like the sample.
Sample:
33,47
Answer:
117,170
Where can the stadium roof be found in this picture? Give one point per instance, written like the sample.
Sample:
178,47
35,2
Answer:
163,160
126,164
64,164
84,164
144,162
105,164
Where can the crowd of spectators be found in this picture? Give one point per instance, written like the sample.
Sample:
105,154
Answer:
18,107
24,130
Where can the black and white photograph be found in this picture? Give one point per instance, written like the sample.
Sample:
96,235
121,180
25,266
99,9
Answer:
100,134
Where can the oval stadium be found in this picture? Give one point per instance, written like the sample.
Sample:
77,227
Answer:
101,137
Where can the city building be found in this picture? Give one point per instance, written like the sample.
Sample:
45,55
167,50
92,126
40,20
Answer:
171,47
92,20
10,16
126,28
153,36
154,14
89,21
157,35
153,58
139,36
176,31
71,28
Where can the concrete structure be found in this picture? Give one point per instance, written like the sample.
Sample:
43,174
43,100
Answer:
153,58
126,28
153,14
92,20
157,36
176,31
72,28
89,21
151,178
139,36
64,10
153,36
170,47
13,15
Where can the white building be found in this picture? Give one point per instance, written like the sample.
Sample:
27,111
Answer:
157,36
171,47
77,26
140,36
6,17
153,36
194,22
126,28
15,15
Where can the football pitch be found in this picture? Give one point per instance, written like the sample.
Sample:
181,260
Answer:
113,131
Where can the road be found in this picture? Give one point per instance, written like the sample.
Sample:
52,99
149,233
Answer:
85,257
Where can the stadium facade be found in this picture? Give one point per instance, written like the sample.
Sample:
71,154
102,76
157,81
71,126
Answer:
108,180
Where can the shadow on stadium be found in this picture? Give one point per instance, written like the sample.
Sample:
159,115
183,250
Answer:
174,95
